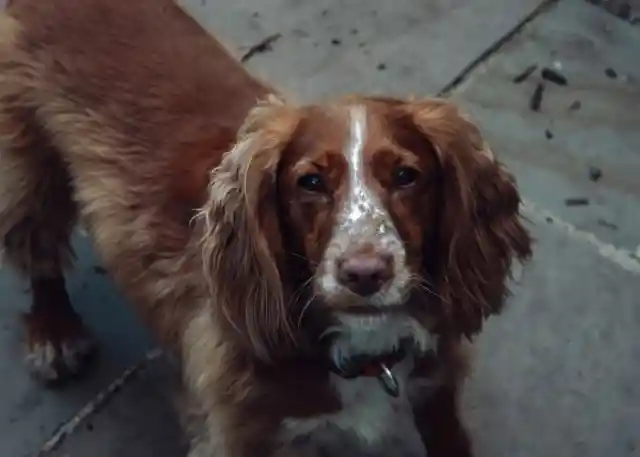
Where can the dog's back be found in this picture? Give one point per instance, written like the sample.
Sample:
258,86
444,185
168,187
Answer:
140,78
115,110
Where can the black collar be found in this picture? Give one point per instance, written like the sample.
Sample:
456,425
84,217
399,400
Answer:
378,366
368,365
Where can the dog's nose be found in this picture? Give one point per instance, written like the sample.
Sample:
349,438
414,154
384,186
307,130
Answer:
365,274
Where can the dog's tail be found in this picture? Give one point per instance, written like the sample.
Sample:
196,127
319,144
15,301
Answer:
37,212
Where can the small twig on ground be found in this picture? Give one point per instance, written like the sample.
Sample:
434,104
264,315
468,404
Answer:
524,74
576,201
554,76
261,47
536,98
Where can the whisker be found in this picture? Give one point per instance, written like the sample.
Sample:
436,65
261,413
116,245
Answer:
296,296
303,286
425,285
304,309
334,330
295,254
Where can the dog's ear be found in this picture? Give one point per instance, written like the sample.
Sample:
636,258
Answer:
481,230
241,244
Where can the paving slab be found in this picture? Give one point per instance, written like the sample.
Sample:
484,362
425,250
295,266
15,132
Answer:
556,373
330,47
591,123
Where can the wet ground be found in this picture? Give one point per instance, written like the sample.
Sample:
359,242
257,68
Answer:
557,374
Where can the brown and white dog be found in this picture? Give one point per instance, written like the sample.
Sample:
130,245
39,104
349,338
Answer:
315,268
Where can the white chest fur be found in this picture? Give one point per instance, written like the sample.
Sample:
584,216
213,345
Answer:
367,410
369,415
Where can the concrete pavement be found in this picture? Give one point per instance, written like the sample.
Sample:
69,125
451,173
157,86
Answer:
557,373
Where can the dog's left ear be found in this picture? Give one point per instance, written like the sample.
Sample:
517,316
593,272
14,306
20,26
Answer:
241,243
481,230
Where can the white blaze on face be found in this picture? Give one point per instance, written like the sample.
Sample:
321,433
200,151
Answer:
363,219
362,212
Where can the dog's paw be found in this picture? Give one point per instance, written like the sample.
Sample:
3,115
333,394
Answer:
54,362
57,350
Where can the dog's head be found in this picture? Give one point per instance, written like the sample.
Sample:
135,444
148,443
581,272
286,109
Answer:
365,206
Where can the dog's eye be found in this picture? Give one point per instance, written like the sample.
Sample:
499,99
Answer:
312,182
404,176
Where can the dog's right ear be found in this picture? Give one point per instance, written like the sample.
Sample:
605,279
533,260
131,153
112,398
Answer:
482,230
241,241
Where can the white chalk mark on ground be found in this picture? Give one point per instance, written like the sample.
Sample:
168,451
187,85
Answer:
624,258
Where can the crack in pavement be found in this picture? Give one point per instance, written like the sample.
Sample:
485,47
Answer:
96,404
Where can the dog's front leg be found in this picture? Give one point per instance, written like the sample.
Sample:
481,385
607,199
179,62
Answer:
291,452
211,437
206,451
436,409
439,425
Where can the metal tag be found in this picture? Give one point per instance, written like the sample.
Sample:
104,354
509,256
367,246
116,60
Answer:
388,381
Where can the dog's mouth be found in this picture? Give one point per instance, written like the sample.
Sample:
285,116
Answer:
368,309
379,364
383,302
369,341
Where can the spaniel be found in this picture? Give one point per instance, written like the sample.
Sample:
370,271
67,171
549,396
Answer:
317,269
